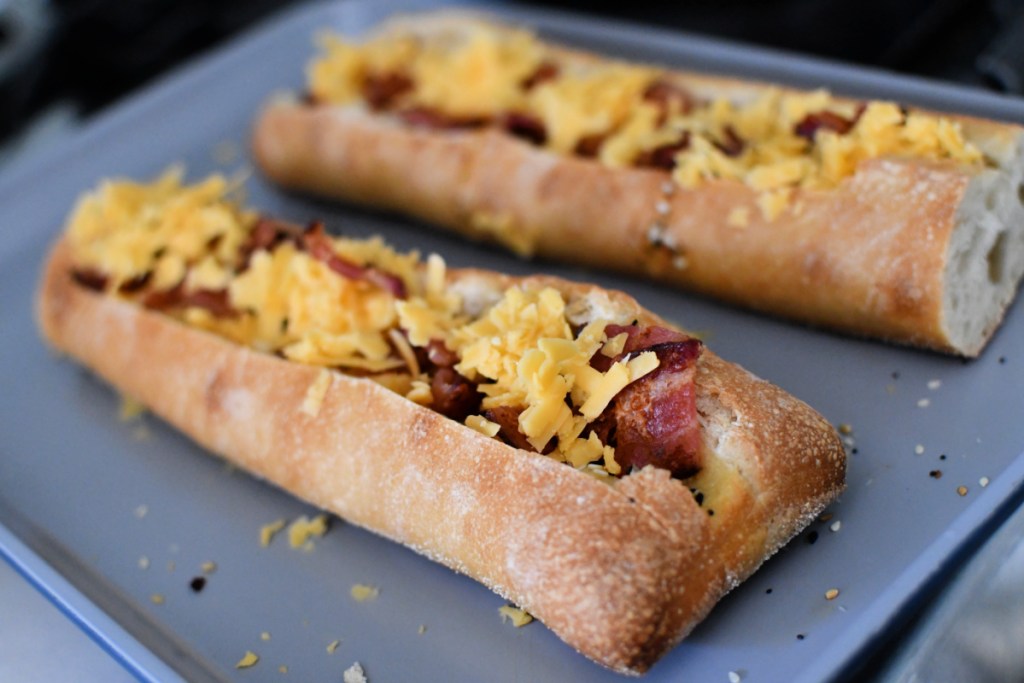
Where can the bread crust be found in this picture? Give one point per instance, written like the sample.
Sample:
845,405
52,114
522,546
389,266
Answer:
621,572
870,257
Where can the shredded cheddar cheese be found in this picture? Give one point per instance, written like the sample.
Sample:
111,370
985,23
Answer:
127,229
268,531
362,592
482,70
520,351
131,408
483,425
303,529
315,393
518,617
249,659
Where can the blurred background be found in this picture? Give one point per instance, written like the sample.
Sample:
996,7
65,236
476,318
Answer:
63,60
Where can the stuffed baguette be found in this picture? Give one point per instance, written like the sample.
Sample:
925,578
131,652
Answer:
552,440
862,217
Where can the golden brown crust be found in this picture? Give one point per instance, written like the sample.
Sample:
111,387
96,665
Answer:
621,572
869,257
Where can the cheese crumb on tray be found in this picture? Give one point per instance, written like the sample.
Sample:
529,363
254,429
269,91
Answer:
517,616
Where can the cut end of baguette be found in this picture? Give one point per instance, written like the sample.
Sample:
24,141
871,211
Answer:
985,260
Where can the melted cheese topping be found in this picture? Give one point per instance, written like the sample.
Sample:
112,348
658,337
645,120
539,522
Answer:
480,69
521,350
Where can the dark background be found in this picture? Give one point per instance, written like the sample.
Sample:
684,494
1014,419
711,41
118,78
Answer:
87,53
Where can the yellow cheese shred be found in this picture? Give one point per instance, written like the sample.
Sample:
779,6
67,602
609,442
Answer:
249,659
268,531
518,617
303,530
315,394
362,592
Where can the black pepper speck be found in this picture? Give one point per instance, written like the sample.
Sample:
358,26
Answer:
197,584
812,537
935,474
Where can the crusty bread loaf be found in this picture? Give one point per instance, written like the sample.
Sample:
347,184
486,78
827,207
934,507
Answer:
928,253
621,569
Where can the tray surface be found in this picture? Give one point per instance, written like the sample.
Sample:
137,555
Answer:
92,494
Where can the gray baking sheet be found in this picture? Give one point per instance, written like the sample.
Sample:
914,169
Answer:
86,495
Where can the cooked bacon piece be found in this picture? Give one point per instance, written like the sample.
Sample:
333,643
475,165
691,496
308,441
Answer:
639,339
664,95
663,157
317,243
136,283
809,126
454,395
507,419
653,421
545,72
381,90
267,234
524,126
90,279
216,301
425,117
589,146
440,355
731,144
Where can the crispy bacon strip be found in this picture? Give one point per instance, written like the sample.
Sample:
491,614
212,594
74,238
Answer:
545,72
664,95
809,126
318,244
589,146
731,144
267,234
454,395
440,355
524,126
216,301
426,117
507,419
381,90
90,279
136,283
638,339
653,421
663,157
